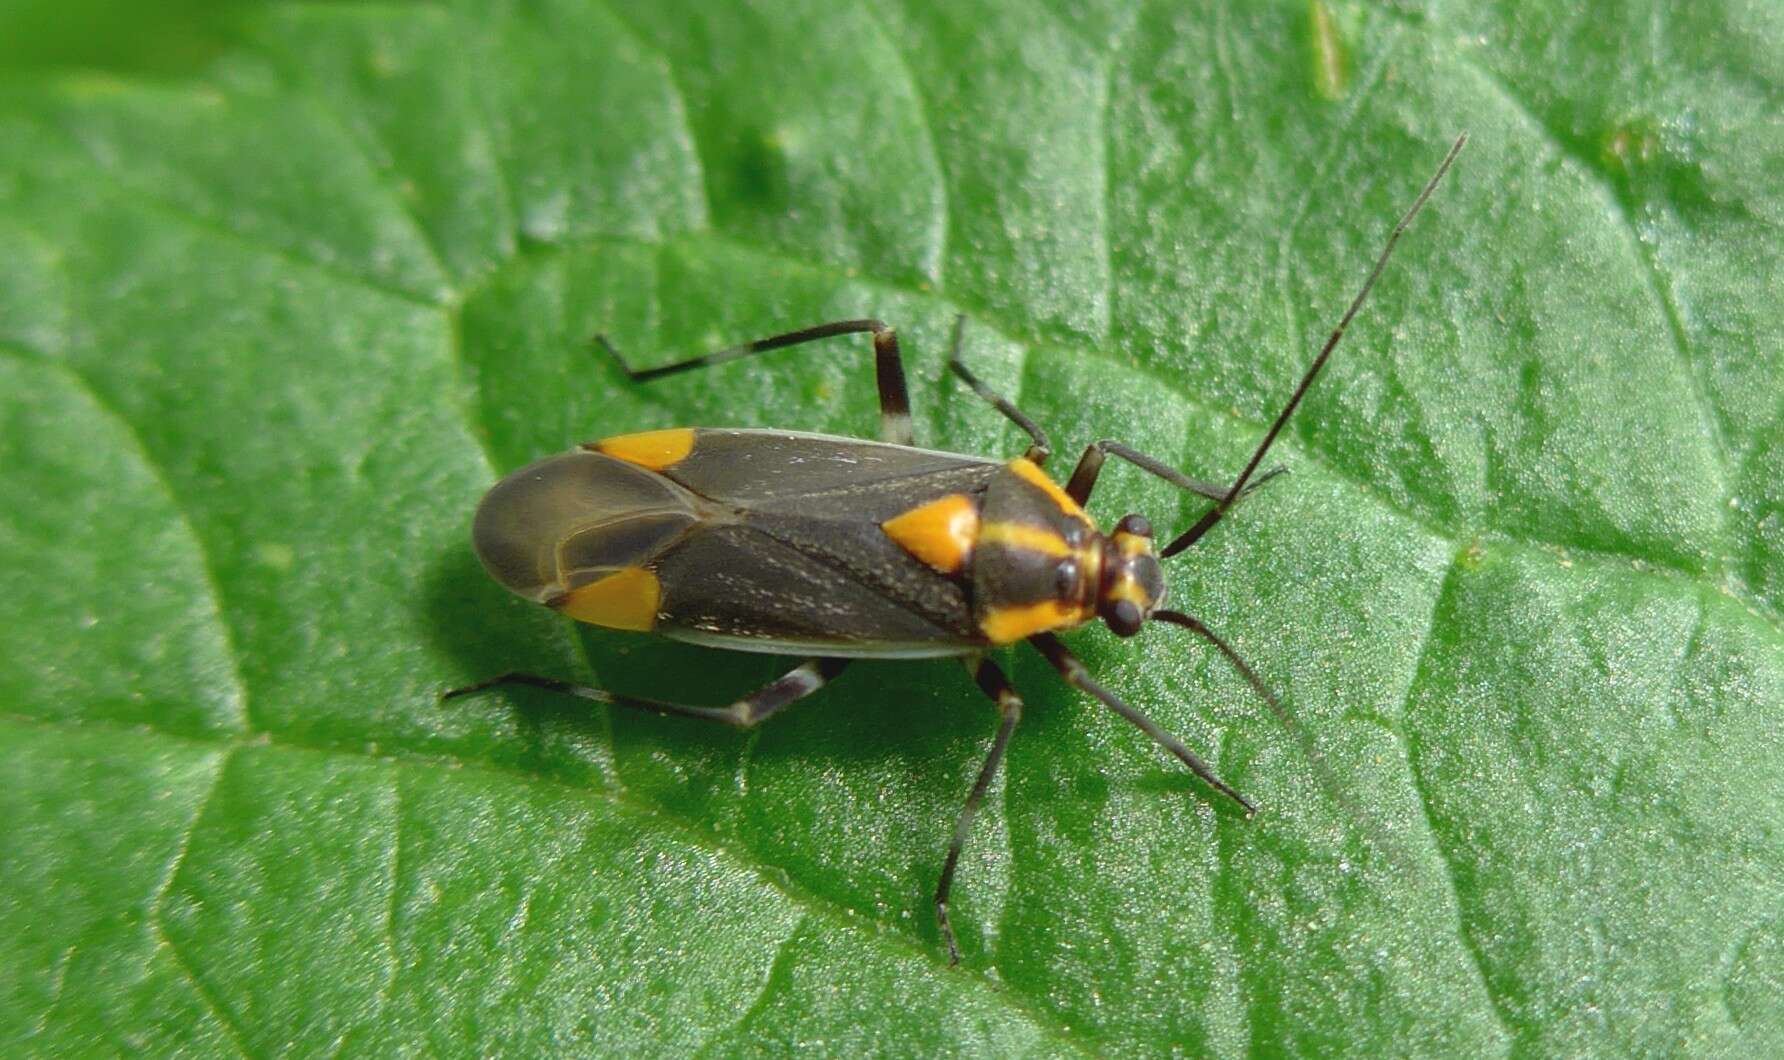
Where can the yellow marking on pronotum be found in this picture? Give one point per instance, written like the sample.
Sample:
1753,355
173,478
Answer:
1021,535
655,450
625,599
939,533
1131,545
1004,625
1128,588
1026,470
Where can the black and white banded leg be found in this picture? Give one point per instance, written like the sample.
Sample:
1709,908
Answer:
1078,677
1038,449
1009,710
794,685
895,401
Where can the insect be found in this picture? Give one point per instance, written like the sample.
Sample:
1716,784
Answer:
841,548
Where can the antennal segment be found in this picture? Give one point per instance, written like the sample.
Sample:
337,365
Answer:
1212,515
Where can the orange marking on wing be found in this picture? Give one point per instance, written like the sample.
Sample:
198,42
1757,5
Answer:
940,533
625,599
655,450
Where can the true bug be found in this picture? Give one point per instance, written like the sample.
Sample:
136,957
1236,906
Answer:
839,548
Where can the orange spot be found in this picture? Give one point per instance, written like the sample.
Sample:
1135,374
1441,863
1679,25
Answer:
1002,625
625,599
939,533
1026,469
652,449
1021,535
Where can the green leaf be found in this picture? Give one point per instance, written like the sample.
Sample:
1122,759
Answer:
267,329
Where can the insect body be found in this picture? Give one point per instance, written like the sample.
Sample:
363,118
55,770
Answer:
772,541
841,548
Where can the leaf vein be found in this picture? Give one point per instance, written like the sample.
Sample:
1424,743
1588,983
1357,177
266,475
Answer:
925,123
375,157
157,901
780,971
678,101
387,989
235,696
136,192
1502,1016
625,802
1353,113
1657,287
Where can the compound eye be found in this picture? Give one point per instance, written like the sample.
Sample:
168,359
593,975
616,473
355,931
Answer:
1065,577
1138,525
1124,618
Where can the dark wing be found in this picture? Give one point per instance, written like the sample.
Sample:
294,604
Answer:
822,475
754,540
806,572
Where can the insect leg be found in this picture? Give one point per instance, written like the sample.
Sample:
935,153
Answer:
1090,465
1009,708
1078,677
1038,448
795,684
895,401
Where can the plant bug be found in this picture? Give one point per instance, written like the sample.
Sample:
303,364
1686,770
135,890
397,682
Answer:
840,548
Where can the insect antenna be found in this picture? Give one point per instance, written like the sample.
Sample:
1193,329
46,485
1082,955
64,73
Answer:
1200,629
1212,515
1328,779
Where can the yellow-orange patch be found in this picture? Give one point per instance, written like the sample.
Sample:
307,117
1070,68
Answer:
939,533
1003,625
1131,544
1029,472
625,599
652,449
1021,535
1128,588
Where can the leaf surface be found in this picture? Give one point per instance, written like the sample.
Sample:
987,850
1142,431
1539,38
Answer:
269,327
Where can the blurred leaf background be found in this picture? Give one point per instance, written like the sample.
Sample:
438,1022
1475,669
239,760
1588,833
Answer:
285,286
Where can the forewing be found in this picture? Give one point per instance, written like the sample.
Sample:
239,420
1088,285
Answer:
816,474
781,582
